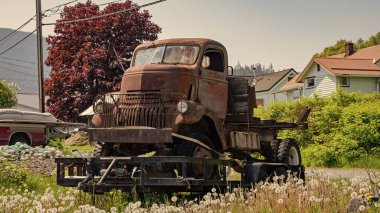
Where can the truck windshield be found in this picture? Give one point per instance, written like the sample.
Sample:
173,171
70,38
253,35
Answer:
166,54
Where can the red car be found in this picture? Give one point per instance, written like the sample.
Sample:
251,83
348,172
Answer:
31,128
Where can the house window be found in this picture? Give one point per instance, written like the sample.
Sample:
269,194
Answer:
310,82
318,67
290,77
344,81
296,94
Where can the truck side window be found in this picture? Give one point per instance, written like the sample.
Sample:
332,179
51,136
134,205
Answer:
215,58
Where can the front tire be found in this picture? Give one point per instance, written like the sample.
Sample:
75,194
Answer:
191,149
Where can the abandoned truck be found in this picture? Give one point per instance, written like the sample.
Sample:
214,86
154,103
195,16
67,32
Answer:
180,102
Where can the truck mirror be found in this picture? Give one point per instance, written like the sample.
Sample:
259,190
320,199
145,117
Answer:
230,71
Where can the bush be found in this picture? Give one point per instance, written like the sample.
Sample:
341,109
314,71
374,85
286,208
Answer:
57,143
8,96
12,172
343,128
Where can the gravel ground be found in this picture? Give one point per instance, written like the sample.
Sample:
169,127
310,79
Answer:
339,172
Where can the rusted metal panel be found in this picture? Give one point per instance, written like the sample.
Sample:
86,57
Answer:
159,78
140,135
213,95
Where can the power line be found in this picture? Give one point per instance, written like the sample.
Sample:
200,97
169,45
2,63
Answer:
3,62
99,5
15,59
106,15
18,71
16,30
17,43
59,6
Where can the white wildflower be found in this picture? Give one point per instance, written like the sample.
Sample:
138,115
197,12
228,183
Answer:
280,201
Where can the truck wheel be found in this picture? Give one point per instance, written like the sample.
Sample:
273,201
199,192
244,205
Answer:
270,150
289,152
190,149
19,139
104,150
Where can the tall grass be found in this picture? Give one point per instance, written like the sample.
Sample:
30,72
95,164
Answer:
318,194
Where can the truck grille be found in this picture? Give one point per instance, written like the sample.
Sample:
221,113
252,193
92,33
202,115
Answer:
151,109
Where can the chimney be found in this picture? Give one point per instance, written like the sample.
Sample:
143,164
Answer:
349,49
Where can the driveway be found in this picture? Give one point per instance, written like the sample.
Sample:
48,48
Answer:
340,172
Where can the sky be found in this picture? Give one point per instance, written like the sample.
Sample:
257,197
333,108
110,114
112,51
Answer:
286,33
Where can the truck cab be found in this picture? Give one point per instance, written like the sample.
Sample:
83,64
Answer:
165,76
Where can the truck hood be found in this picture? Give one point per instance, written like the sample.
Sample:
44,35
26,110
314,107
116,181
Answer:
158,78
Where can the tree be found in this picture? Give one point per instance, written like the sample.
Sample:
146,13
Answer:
339,46
8,96
82,58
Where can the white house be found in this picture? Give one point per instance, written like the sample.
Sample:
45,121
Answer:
268,86
351,71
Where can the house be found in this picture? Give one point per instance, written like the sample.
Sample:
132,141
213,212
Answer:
351,71
27,102
267,86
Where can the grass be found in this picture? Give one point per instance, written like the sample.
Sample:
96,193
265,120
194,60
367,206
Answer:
317,194
368,161
85,148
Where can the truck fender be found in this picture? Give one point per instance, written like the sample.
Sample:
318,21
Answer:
194,114
199,114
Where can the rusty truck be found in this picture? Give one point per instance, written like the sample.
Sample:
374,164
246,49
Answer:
180,103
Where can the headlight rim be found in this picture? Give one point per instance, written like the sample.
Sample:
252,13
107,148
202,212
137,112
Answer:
183,106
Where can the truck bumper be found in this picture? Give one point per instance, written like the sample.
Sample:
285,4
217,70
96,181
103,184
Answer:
139,135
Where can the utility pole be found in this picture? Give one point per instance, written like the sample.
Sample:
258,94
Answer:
41,95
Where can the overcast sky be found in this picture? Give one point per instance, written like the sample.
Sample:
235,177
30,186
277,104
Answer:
283,32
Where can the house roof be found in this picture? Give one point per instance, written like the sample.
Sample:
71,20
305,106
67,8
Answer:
360,63
365,53
267,82
292,84
346,66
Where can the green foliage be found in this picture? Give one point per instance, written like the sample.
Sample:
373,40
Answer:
12,172
57,143
343,128
8,92
339,46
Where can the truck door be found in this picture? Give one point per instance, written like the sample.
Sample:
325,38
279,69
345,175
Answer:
213,86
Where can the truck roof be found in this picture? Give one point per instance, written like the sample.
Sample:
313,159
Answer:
189,41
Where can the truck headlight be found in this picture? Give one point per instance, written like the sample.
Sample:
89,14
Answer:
182,106
98,108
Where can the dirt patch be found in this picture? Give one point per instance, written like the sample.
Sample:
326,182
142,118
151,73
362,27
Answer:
78,139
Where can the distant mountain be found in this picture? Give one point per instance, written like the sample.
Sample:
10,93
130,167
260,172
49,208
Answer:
19,65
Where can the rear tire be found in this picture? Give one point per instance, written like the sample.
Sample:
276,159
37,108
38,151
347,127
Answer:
20,139
289,152
270,150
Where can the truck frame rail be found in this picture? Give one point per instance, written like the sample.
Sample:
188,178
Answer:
144,174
